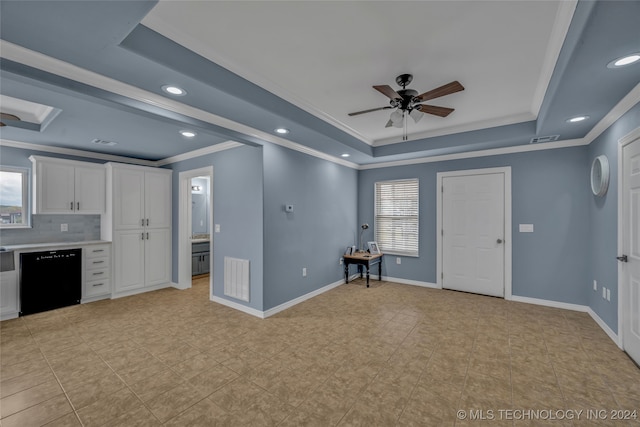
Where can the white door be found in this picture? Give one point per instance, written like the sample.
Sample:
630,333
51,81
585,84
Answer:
55,188
128,250
157,256
473,233
90,189
631,248
128,203
157,199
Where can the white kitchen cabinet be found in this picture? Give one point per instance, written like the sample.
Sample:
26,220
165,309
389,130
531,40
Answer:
141,198
67,186
97,272
139,223
9,295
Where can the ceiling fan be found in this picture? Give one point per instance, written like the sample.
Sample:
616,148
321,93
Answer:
7,116
407,102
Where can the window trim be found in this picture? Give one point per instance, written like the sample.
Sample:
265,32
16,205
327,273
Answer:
26,196
411,254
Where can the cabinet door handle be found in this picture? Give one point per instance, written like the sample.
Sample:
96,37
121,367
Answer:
78,206
147,236
71,206
147,222
142,237
142,222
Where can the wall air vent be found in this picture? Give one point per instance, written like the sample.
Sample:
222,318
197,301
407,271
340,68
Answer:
540,139
103,142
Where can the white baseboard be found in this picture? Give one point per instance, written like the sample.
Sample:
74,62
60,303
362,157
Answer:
411,282
179,286
10,315
93,299
140,290
549,303
239,307
607,330
302,298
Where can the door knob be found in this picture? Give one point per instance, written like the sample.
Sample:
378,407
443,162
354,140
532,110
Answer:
499,241
622,258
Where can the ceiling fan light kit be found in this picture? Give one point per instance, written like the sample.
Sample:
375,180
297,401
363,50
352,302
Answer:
408,102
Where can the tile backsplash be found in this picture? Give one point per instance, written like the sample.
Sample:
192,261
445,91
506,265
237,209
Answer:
46,229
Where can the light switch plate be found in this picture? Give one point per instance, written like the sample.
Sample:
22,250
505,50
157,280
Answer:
526,228
609,294
604,292
217,228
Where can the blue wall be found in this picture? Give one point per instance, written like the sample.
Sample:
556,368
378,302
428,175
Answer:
316,234
549,189
237,207
603,215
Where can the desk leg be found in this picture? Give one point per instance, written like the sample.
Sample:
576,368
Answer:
367,276
380,271
346,273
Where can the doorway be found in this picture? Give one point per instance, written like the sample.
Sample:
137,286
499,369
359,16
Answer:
195,246
629,243
474,231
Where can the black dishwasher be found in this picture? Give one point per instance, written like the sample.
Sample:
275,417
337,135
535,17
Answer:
50,280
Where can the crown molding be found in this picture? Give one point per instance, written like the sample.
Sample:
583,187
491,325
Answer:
76,152
625,104
227,145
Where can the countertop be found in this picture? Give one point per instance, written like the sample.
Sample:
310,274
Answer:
52,245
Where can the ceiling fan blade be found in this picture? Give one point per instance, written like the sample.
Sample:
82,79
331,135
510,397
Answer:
447,89
369,111
387,91
435,110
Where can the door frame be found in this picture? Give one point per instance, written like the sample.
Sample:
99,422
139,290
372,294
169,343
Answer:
184,226
506,171
622,286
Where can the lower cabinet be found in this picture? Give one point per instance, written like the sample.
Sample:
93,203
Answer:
97,272
200,263
142,259
9,294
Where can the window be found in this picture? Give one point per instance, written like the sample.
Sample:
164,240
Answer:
396,217
14,197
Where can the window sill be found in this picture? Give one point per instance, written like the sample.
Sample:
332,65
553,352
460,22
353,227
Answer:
14,227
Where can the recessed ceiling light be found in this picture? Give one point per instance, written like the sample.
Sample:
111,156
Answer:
188,133
577,119
282,131
625,60
345,155
174,90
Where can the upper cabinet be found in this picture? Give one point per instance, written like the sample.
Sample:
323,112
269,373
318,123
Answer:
141,197
68,186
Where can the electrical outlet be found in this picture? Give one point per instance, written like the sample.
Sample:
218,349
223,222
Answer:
64,227
398,260
609,294
604,292
595,285
304,272
341,261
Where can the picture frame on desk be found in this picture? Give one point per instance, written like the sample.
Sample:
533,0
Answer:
373,248
348,251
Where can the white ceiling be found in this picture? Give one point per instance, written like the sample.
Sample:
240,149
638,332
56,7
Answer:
324,56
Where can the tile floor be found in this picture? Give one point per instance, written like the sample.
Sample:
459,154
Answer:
389,355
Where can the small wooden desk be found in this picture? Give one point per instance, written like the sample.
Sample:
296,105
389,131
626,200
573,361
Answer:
362,259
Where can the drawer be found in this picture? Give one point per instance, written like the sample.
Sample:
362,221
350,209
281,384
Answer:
96,251
97,287
94,263
96,274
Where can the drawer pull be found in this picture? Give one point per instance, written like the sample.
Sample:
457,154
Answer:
98,273
97,250
98,262
97,284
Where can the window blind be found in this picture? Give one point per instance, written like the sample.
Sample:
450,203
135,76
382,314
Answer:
396,217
